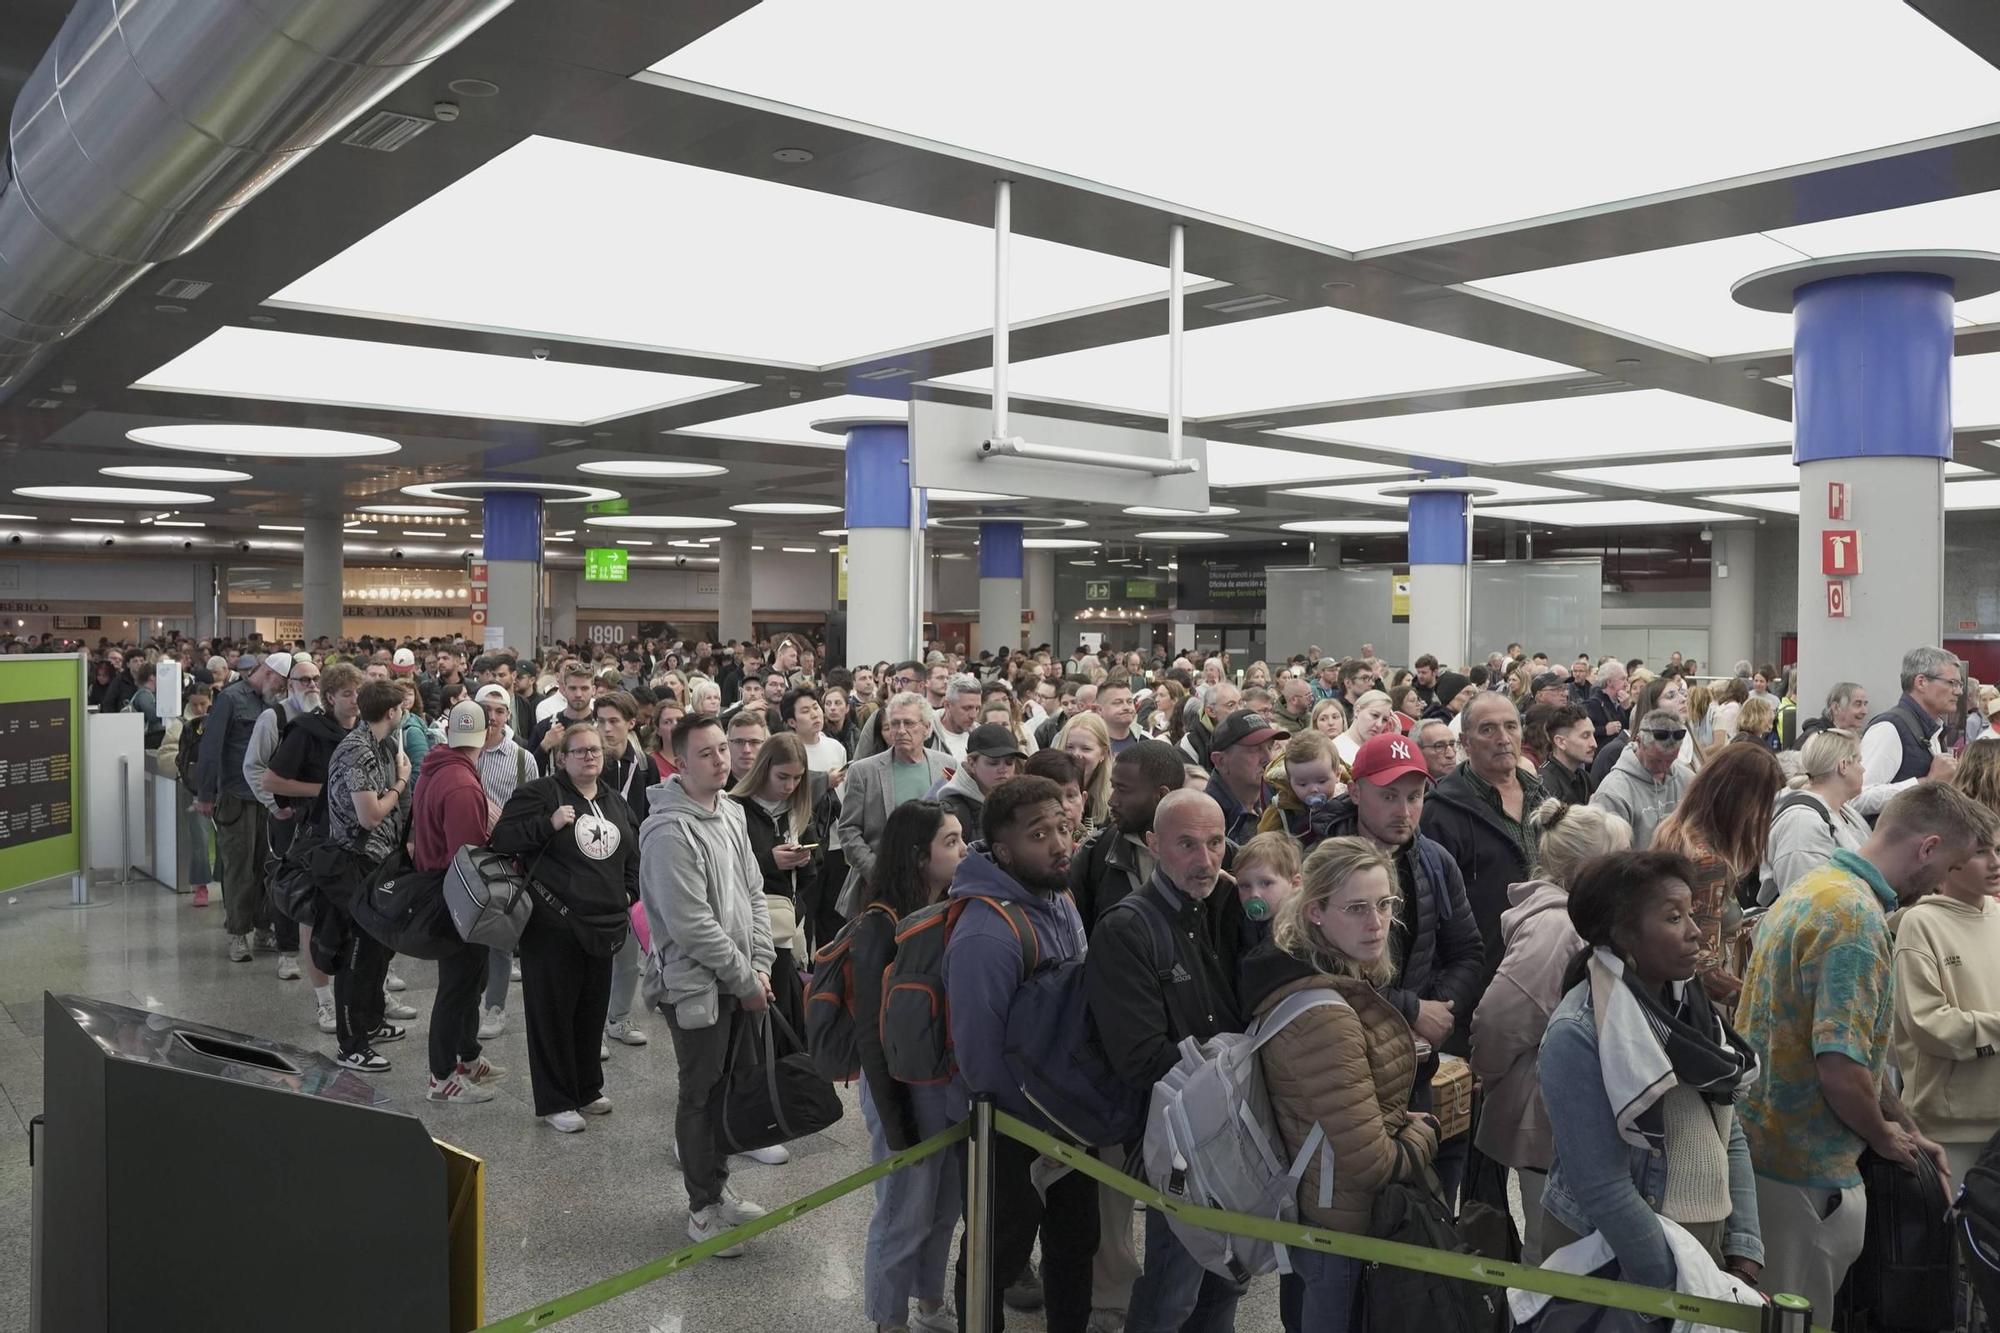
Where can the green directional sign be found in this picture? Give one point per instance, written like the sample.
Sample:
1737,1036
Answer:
1097,590
604,564
618,506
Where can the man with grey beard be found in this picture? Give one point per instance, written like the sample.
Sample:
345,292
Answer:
222,792
299,697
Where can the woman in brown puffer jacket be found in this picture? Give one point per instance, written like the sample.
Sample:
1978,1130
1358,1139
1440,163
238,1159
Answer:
1347,1067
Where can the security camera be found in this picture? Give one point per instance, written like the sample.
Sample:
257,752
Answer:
243,546
397,554
539,353
680,562
14,540
109,541
187,546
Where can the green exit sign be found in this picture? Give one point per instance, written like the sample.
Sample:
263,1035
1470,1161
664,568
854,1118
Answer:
1142,589
604,564
1097,590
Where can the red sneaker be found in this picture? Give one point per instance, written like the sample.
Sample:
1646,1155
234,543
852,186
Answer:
201,895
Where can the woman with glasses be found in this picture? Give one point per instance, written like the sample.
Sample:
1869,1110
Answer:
581,852
1345,1067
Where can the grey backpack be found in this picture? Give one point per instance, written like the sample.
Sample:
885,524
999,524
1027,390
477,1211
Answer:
486,893
1211,1140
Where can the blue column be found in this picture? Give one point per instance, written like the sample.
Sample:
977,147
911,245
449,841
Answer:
1871,409
1440,551
878,541
1000,549
511,539
1000,566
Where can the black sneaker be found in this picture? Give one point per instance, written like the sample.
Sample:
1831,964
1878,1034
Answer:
1026,1291
364,1061
266,941
387,1033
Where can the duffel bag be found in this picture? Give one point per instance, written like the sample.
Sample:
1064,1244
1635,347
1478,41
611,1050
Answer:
404,910
775,1100
486,895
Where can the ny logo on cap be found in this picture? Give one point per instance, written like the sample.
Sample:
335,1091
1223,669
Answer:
1399,750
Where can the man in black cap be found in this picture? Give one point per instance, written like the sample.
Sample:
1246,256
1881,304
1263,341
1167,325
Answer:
1238,754
1550,687
992,755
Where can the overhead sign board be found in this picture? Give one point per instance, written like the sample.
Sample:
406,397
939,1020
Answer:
1097,590
605,564
945,454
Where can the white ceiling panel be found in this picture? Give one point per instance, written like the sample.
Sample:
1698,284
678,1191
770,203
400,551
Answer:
1575,429
1777,502
1256,465
1312,356
1510,142
792,423
566,239
1610,513
305,368
1975,390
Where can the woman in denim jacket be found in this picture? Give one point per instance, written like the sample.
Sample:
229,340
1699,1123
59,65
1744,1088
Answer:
1639,1074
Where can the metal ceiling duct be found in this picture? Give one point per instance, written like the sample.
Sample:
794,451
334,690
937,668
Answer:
150,122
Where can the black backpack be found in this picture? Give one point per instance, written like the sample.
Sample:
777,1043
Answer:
1977,1217
1403,1300
1907,1275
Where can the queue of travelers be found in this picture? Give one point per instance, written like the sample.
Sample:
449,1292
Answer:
1689,944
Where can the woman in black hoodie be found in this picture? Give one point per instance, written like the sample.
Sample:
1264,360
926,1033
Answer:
777,813
581,850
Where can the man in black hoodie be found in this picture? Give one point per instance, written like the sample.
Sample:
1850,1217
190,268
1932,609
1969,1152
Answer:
1162,968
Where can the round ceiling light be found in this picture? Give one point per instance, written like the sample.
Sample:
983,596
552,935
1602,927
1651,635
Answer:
658,522
973,522
552,492
174,473
659,469
1353,527
113,495
246,441
411,510
1149,511
1058,544
971,497
784,507
1183,535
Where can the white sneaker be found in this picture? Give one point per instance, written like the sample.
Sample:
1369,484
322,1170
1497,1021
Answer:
239,948
565,1122
734,1210
327,1022
455,1087
775,1155
492,1022
940,1321
706,1224
603,1051
481,1070
626,1032
288,967
602,1106
396,1009
392,982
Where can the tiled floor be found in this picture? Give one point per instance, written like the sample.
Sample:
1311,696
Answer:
561,1210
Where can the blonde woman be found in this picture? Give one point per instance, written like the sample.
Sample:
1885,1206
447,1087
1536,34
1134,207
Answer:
1329,719
1978,773
1373,715
1819,814
1086,739
1538,942
777,814
1344,1067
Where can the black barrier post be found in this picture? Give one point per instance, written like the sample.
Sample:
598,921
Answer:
1788,1314
977,1317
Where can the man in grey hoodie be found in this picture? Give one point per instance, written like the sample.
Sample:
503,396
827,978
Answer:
710,968
1646,783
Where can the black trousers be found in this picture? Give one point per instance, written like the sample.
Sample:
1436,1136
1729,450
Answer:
454,1034
565,994
357,990
1067,1224
278,833
700,1055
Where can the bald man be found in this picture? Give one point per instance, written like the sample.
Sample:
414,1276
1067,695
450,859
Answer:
1145,1003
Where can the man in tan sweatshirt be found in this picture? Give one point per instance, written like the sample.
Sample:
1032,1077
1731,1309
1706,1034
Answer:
1947,1033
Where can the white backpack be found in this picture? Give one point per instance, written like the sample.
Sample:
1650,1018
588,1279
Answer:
1211,1140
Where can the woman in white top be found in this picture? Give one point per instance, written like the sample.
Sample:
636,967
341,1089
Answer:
1373,715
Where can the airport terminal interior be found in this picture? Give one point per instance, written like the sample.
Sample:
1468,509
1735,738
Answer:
1632,337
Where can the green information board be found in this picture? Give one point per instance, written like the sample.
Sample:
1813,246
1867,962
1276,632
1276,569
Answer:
1142,589
41,756
604,564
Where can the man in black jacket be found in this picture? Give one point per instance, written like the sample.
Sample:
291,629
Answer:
1572,745
1609,703
1116,861
1158,971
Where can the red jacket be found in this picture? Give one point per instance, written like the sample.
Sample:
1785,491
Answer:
449,810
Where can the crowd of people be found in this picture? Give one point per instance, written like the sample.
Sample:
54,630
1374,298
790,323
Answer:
1701,950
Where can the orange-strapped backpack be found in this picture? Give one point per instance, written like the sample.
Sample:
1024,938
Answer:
916,1019
831,1037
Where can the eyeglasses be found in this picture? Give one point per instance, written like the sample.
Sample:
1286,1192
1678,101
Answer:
1668,737
1384,907
1440,747
585,754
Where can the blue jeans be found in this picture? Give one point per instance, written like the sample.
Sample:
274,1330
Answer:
916,1213
199,831
1327,1286
1174,1294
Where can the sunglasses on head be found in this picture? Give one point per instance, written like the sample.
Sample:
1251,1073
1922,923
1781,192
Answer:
1665,737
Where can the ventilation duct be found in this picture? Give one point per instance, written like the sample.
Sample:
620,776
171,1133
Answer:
150,122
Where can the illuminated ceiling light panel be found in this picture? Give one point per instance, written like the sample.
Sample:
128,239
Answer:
1056,544
657,469
784,507
1503,492
1568,430
292,442
1258,465
1313,356
1149,511
1981,494
1857,75
655,522
663,255
1705,474
970,497
122,495
1349,527
306,368
410,510
1607,513
1182,535
552,492
792,423
174,473
173,523
1975,390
